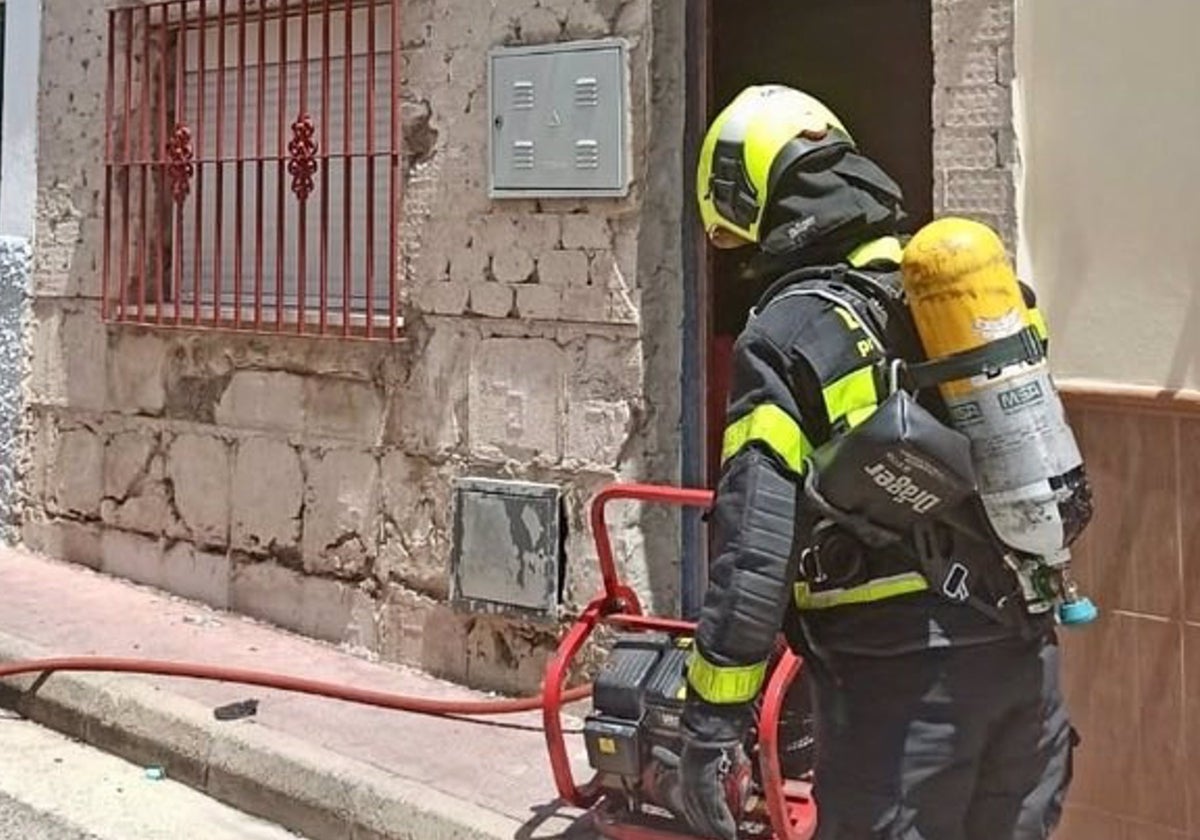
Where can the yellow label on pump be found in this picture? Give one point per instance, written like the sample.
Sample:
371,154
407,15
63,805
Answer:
607,746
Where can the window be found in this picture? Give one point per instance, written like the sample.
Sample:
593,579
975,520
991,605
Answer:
253,166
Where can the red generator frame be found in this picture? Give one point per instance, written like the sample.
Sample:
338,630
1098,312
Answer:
791,810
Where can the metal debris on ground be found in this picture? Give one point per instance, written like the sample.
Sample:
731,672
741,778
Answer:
202,620
236,711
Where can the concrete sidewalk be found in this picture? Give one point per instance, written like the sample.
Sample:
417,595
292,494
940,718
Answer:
324,768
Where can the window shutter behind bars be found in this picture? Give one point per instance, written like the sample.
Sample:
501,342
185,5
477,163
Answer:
329,120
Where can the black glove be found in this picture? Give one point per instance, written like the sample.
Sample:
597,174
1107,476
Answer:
701,803
703,769
712,739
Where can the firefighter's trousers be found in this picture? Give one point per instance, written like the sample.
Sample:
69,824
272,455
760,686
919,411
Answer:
967,743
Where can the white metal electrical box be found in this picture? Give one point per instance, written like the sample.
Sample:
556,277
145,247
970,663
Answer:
559,120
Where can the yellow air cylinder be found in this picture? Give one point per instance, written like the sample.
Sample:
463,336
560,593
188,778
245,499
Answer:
963,293
961,290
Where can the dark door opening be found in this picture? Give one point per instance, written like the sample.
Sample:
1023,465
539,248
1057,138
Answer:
871,61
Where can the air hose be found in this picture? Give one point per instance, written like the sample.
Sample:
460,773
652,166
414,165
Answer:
286,682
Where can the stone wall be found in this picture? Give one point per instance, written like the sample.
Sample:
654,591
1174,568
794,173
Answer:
308,482
16,265
975,151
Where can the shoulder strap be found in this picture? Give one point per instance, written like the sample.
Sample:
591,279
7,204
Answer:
889,298
829,283
787,280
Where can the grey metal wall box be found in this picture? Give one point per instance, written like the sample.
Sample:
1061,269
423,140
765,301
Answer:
507,549
559,120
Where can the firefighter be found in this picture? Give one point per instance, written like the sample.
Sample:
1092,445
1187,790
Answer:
938,709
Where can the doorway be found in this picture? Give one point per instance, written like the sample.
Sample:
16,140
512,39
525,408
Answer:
871,61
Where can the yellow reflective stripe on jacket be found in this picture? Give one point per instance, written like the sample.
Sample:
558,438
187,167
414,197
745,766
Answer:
725,685
773,426
1038,322
853,396
879,589
884,248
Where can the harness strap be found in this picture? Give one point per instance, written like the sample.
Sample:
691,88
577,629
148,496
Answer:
953,579
988,359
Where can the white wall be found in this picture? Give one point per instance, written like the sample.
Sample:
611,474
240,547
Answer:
18,171
1108,115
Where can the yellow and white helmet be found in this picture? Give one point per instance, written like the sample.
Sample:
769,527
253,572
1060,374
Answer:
747,149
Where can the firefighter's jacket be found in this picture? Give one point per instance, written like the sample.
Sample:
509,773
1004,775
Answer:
805,368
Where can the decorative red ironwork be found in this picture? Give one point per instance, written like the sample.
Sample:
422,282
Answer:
181,155
216,108
302,149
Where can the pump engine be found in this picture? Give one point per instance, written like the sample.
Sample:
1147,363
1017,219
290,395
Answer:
633,735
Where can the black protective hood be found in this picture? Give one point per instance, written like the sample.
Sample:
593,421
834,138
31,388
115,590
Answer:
826,204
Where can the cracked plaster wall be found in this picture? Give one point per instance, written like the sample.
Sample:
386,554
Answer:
309,482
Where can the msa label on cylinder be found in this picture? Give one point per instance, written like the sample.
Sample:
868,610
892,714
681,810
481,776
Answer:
1017,398
966,413
1017,434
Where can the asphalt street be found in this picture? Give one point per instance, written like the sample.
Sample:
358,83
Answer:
53,788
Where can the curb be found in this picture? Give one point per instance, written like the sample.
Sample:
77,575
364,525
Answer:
260,771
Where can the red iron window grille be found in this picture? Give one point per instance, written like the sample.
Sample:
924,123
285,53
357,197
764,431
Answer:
252,166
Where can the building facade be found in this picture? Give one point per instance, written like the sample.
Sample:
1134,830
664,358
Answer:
229,196
1104,236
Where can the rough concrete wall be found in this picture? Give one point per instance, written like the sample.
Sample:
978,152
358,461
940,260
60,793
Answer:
567,365
309,482
16,265
975,153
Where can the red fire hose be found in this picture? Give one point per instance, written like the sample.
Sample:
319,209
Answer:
615,594
286,682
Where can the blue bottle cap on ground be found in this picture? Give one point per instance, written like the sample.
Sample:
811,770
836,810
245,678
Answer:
1082,611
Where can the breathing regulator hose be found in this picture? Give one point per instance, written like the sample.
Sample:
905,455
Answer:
286,682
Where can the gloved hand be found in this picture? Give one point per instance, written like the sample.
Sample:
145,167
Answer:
712,739
703,769
700,801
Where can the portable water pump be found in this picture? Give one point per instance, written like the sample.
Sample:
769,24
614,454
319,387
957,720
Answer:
633,734
633,738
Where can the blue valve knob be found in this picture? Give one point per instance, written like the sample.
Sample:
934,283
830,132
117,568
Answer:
1077,612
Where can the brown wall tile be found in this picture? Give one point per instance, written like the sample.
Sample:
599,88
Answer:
1130,554
1141,831
1102,696
1189,512
1132,681
1158,782
1086,824
1191,675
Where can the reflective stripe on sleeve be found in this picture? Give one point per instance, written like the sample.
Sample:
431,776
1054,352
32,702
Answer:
725,685
771,425
854,396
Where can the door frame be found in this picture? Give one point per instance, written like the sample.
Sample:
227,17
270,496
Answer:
697,320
